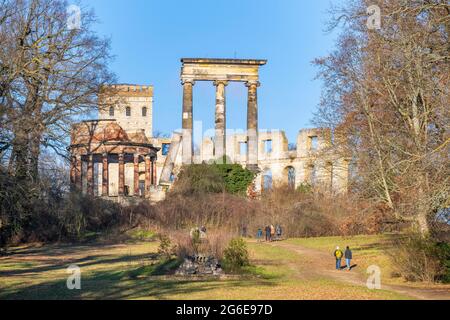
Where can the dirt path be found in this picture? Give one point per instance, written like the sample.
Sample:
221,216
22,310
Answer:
321,266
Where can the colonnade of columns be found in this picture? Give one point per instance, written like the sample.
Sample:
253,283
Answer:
220,122
76,173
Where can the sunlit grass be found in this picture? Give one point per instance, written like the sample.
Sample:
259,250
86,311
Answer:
367,250
133,271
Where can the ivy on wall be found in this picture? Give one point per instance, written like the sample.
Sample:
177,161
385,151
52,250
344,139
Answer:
214,178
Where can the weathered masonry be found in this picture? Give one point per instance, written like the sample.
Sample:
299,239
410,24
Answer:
116,155
113,156
221,71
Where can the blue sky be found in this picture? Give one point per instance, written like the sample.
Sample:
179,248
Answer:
149,38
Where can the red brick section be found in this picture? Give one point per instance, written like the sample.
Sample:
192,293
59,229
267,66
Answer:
90,175
136,174
147,174
73,169
78,175
121,175
105,176
154,171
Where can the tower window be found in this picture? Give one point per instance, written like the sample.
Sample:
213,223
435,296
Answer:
314,143
111,111
165,149
128,111
144,111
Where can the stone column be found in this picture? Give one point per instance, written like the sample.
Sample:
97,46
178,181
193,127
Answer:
252,125
136,174
90,175
220,139
73,170
148,165
105,175
121,174
78,173
187,123
152,172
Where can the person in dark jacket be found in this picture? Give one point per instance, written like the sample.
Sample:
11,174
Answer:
259,234
267,233
348,257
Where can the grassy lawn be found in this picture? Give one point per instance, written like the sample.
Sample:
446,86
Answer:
132,271
367,250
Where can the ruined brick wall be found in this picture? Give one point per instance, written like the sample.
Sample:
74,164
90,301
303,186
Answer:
311,161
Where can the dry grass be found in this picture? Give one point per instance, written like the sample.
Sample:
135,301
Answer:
40,273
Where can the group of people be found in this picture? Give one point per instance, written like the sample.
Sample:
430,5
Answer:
275,233
272,233
338,254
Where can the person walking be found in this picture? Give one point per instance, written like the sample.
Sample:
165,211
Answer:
338,255
272,232
348,257
267,233
259,234
244,231
278,232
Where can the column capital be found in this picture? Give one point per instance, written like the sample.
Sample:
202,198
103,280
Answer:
252,83
217,82
104,154
184,81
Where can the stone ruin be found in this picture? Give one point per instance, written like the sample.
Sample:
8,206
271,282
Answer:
199,265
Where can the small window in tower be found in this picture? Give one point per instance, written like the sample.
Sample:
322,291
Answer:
111,111
128,111
165,149
144,111
314,143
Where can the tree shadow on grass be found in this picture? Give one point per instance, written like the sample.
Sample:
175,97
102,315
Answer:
81,262
50,250
117,282
119,285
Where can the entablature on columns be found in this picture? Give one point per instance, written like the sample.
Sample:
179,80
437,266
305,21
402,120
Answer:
199,69
114,148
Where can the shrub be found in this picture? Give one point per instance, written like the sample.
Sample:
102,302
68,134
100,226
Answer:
213,178
165,249
304,188
212,245
237,178
443,250
198,179
421,259
235,255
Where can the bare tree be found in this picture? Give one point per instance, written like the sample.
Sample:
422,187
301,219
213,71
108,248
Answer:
51,73
387,96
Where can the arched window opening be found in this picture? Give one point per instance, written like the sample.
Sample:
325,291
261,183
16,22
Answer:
267,180
290,172
144,111
111,111
128,111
